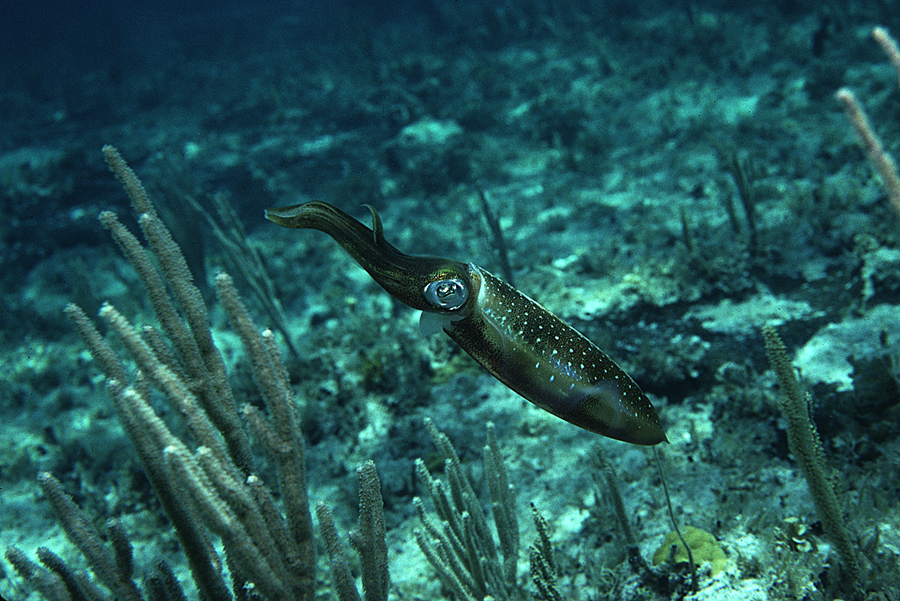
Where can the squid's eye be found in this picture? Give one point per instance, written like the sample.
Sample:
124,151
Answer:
447,294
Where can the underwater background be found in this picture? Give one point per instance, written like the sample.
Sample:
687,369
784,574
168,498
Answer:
668,178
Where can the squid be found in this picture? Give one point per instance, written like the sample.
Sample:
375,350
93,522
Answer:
514,338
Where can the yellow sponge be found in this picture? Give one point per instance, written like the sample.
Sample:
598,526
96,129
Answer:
704,547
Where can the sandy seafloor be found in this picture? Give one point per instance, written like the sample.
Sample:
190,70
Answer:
610,141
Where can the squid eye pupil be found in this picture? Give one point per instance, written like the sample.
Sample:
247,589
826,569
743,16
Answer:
445,290
447,294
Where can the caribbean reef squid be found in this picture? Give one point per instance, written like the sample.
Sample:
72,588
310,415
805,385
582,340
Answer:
517,340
